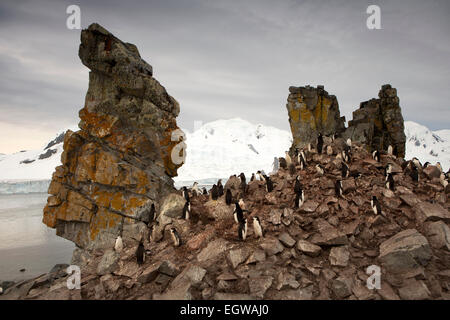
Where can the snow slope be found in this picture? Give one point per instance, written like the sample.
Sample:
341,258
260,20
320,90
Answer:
216,150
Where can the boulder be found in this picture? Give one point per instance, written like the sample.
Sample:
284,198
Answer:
414,290
339,256
286,239
404,251
438,234
172,206
271,246
426,211
308,248
108,263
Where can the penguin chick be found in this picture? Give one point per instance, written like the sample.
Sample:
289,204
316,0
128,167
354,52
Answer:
257,228
118,246
176,239
320,169
375,205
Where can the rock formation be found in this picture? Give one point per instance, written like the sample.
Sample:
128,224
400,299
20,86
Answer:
312,111
319,251
126,152
378,123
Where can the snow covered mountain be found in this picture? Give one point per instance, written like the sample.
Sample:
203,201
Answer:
216,150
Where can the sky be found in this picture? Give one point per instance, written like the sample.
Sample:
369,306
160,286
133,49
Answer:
226,59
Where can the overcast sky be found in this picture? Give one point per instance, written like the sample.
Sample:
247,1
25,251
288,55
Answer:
225,59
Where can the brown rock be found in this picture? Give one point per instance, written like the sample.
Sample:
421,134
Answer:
414,290
339,256
308,248
426,211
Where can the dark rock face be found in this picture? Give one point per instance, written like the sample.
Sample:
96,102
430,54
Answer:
126,152
312,111
378,123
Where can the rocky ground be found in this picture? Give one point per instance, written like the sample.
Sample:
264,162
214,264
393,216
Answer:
319,251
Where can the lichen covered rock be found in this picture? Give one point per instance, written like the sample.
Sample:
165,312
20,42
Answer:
126,152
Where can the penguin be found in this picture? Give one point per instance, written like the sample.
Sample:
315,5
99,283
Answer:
338,188
118,246
349,142
195,190
320,169
283,163
242,204
299,198
269,184
219,188
261,176
242,230
297,184
214,192
187,210
416,162
387,170
228,197
345,171
253,178
257,228
376,155
238,213
444,180
390,182
243,182
438,165
176,239
152,233
426,164
292,169
333,137
302,153
140,253
405,164
185,193
346,156
309,147
205,192
375,205
302,162
288,158
319,143
329,150
390,150
152,214
414,174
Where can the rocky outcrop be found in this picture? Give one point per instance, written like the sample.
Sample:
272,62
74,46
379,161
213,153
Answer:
318,252
312,111
128,149
378,123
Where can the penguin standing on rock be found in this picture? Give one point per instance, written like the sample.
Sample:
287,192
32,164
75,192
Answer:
376,155
438,165
140,253
414,174
205,192
214,192
299,198
176,239
416,162
426,164
390,182
261,176
320,169
195,189
375,205
338,188
345,170
253,178
269,184
243,185
118,246
238,213
228,197
219,188
297,184
390,150
257,228
242,230
185,193
319,143
288,158
302,162
187,210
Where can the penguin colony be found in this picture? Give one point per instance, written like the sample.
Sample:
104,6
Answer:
299,160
